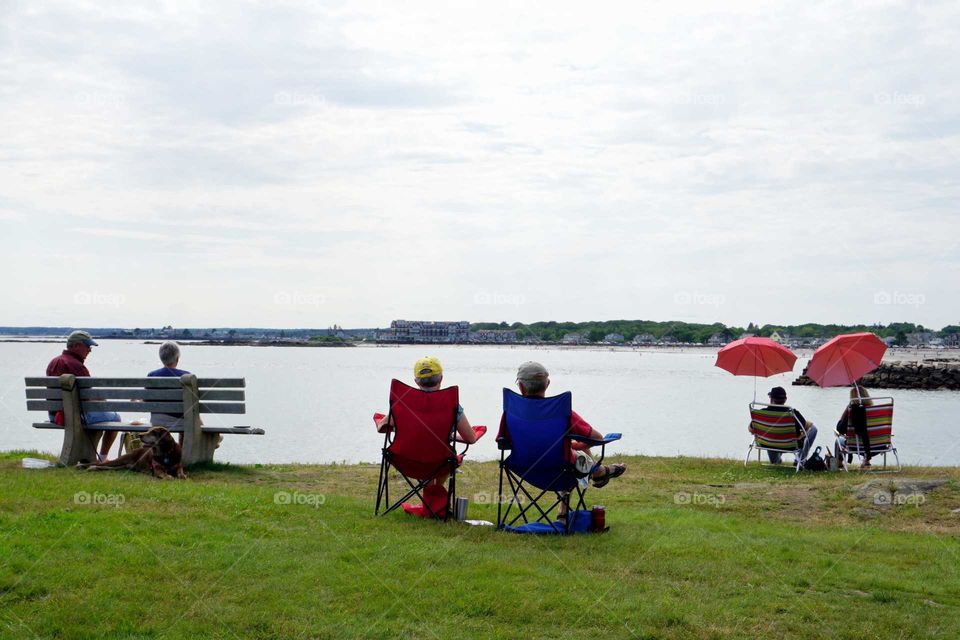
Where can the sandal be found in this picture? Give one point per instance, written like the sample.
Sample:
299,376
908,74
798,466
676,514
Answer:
609,471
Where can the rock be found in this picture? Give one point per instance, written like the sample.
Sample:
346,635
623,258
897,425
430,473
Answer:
897,491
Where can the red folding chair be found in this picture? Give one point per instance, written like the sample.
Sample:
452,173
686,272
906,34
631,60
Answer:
419,442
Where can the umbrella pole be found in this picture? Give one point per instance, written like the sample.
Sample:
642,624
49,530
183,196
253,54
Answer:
754,388
856,386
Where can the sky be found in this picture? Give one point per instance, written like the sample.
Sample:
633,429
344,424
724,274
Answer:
284,165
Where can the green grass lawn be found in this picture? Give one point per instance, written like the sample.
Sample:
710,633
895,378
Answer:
697,549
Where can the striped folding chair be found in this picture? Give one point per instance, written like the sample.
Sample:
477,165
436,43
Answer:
879,432
774,428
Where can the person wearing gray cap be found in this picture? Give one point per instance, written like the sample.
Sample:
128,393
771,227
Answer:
533,380
79,346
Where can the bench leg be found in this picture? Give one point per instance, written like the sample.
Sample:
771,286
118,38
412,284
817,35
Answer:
199,447
78,445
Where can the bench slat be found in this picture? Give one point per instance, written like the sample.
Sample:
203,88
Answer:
171,395
235,430
87,383
40,393
53,382
158,407
44,405
119,426
44,394
221,383
223,407
220,394
132,407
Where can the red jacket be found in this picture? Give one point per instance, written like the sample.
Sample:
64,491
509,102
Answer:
67,362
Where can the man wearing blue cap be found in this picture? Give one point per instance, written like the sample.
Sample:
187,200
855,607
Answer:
79,346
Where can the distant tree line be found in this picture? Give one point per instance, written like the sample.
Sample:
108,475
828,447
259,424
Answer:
699,333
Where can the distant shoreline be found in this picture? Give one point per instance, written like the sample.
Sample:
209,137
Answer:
894,354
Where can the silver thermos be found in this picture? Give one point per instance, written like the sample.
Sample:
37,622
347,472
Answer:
460,509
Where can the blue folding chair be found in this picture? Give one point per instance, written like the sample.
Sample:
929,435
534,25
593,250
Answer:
536,432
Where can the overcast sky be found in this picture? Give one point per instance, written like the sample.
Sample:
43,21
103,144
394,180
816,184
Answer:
276,165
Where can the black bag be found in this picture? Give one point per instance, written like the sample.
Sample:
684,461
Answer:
815,462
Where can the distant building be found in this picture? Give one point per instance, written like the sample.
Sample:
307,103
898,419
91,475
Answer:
668,340
747,335
644,338
952,340
718,340
572,338
782,338
919,338
613,338
422,331
499,336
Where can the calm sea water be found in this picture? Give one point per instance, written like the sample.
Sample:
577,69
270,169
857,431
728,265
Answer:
316,403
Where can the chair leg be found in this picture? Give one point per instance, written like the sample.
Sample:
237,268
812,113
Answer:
452,493
500,492
380,487
749,451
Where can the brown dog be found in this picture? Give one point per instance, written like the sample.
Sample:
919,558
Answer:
159,456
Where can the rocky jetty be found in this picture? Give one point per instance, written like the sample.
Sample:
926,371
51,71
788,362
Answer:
930,374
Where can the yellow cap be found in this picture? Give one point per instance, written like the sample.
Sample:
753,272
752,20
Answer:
427,367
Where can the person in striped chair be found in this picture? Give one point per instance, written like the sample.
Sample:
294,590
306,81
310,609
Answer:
855,413
778,400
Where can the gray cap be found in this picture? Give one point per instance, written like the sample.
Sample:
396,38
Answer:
81,336
532,371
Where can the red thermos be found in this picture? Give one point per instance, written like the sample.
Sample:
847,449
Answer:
598,517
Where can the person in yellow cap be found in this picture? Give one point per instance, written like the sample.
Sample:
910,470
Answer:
428,374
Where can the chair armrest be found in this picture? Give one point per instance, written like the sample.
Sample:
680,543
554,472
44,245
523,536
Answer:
377,417
479,429
607,439
504,443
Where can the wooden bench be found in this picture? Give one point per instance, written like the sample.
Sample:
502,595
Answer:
187,394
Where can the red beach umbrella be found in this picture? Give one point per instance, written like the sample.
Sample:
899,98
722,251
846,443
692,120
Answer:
845,359
755,357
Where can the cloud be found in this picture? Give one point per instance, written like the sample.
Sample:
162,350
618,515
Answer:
596,160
